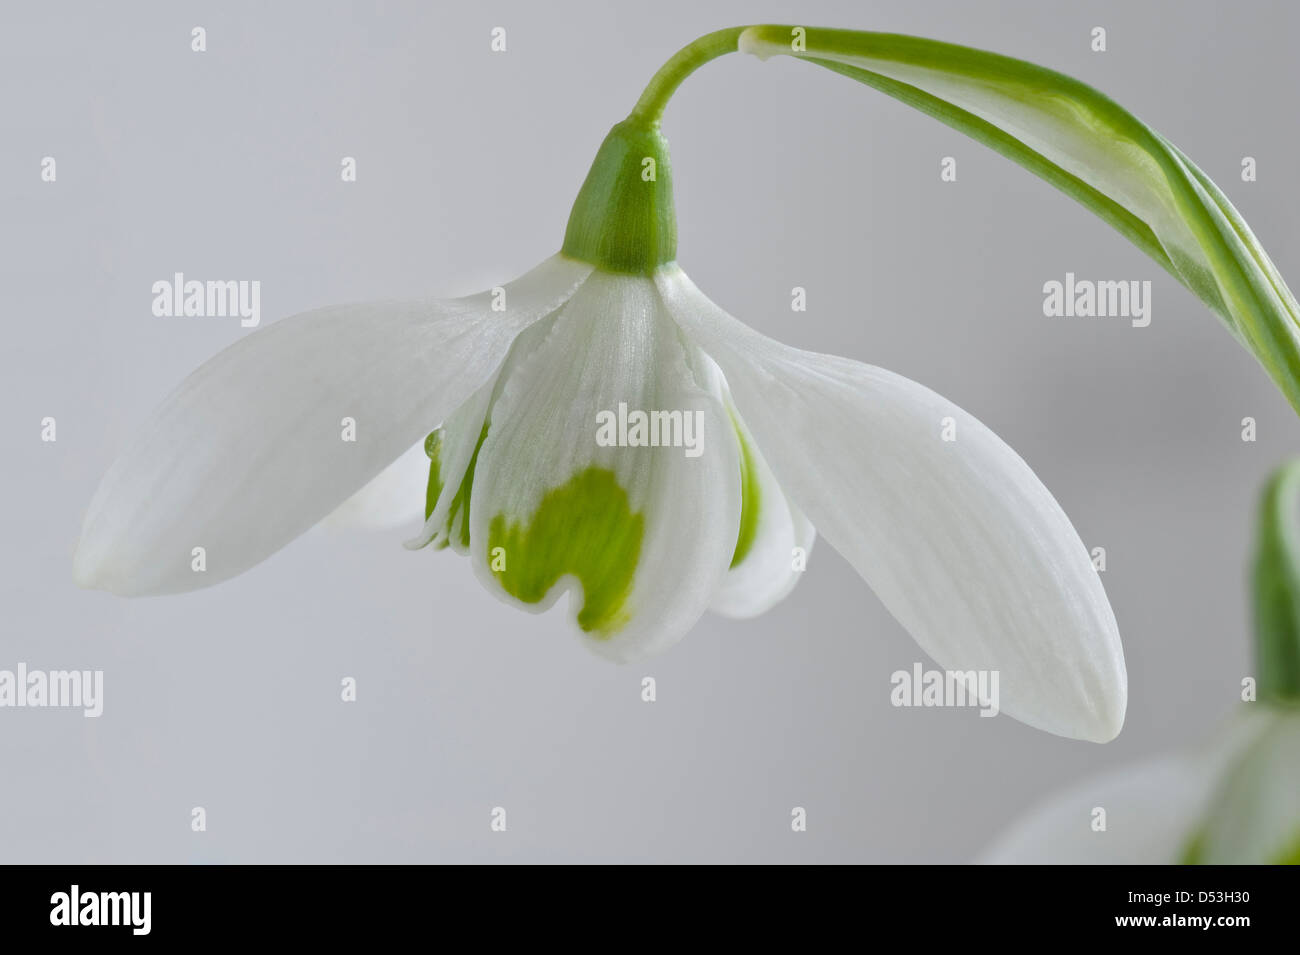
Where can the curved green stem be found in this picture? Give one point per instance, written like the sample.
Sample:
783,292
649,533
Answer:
623,219
650,107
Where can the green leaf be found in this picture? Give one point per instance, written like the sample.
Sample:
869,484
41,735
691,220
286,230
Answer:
1092,149
1276,586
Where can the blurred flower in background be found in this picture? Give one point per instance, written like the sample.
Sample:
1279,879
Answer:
1235,800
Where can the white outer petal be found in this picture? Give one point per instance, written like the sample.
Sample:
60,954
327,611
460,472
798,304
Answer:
960,540
247,453
395,498
613,342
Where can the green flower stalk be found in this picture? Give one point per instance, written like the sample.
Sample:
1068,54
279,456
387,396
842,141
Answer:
600,428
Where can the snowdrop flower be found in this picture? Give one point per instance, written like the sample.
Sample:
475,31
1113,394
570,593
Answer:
599,427
1235,800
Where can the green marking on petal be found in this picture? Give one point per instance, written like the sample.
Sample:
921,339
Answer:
457,521
584,528
460,503
433,448
750,497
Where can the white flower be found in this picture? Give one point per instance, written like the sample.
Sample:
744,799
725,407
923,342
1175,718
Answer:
958,537
1236,801
961,541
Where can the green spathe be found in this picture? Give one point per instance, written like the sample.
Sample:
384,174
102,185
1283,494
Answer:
584,528
1092,149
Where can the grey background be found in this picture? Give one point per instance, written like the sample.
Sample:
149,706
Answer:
226,165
